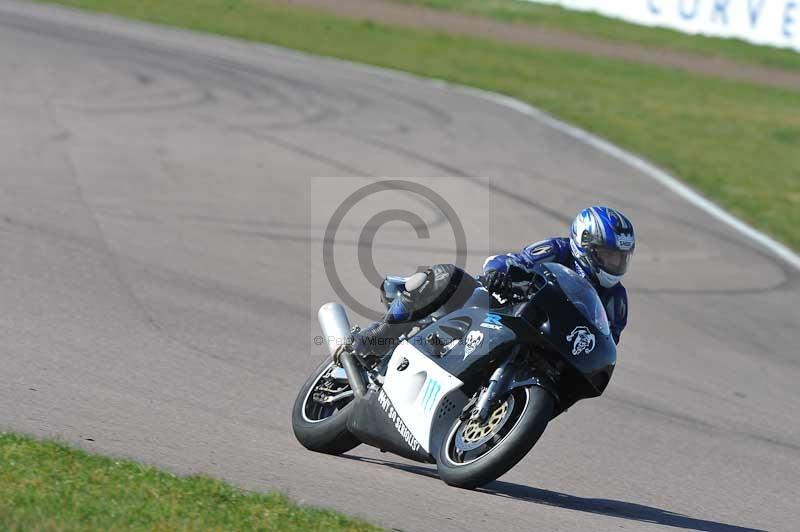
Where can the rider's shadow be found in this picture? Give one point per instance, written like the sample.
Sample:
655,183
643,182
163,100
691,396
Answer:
607,507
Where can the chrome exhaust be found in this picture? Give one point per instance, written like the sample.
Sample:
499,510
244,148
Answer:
336,332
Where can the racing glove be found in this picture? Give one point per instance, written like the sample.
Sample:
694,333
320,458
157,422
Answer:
498,283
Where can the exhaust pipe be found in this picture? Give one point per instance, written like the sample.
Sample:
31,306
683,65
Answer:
336,331
354,376
335,326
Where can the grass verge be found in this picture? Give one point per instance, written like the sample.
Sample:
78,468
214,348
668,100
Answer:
737,143
49,486
593,25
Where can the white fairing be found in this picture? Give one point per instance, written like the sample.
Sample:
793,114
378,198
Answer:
417,391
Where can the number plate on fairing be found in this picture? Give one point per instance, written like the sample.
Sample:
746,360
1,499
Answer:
416,385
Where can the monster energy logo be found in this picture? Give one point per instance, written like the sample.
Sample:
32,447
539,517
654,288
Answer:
429,394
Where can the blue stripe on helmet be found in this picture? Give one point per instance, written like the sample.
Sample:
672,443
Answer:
604,222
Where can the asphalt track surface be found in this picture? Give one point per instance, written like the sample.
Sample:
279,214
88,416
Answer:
155,271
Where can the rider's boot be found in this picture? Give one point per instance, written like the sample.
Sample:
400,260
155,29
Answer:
441,285
379,338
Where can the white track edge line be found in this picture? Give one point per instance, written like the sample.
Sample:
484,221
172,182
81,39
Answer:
679,188
780,250
682,190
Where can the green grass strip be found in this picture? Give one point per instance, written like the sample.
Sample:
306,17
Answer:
49,486
590,24
737,143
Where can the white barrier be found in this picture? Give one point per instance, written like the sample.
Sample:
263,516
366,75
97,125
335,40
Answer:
771,22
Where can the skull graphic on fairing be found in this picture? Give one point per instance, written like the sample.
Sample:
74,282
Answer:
474,339
583,341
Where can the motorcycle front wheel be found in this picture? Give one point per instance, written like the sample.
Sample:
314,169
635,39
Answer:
474,453
319,419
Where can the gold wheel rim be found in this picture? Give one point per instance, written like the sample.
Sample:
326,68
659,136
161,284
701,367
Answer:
475,430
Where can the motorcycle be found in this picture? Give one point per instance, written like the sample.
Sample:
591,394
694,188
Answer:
471,390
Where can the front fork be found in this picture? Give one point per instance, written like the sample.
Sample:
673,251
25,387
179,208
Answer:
505,378
497,385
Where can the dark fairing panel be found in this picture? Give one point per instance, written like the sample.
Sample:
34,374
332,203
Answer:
567,324
489,339
374,423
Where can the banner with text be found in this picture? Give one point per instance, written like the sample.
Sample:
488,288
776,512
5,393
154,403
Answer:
771,22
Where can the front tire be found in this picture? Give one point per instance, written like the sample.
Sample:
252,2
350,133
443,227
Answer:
321,427
475,454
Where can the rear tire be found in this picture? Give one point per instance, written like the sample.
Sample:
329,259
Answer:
531,409
317,428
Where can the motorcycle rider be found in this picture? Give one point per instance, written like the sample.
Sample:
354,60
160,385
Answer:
440,286
599,249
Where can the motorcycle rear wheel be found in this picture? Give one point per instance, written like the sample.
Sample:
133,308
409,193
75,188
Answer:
475,454
322,427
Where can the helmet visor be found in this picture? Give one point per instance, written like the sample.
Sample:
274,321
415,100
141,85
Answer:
612,261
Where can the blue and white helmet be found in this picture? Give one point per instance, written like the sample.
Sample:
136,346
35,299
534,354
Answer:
602,242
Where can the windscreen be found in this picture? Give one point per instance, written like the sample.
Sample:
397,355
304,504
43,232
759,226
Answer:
582,295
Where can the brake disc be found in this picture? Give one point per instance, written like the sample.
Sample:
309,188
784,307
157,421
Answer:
473,433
